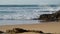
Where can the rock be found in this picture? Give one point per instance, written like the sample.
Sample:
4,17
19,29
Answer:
40,32
19,30
47,17
1,32
57,15
50,17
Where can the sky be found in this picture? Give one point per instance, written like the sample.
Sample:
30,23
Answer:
26,2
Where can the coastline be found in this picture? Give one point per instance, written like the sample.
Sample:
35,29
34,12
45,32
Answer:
47,27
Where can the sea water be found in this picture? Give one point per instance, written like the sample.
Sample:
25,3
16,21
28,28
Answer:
23,14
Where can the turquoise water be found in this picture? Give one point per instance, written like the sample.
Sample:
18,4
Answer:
23,14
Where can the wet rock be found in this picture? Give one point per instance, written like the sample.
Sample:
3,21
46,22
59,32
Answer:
50,17
46,17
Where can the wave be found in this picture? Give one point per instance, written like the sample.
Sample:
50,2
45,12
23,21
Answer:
19,15
27,12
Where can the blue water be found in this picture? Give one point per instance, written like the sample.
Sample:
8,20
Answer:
23,14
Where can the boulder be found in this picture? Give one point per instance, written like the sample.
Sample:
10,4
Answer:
47,17
50,17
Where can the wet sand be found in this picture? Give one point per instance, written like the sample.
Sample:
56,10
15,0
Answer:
46,27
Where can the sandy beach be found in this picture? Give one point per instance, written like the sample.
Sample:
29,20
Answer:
47,27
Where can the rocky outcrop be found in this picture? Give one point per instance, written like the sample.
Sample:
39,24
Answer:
46,17
50,17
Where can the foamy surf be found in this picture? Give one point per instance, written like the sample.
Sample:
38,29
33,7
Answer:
16,14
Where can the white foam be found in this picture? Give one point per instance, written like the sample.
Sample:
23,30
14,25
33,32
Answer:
20,13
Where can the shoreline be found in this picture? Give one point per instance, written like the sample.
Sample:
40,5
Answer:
48,27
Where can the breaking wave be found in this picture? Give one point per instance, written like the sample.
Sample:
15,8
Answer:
17,13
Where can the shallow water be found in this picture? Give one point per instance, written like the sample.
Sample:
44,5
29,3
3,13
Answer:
13,22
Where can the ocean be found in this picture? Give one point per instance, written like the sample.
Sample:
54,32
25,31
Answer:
23,14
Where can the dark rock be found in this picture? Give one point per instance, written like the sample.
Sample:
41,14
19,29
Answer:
1,32
46,17
40,32
36,31
50,17
19,30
